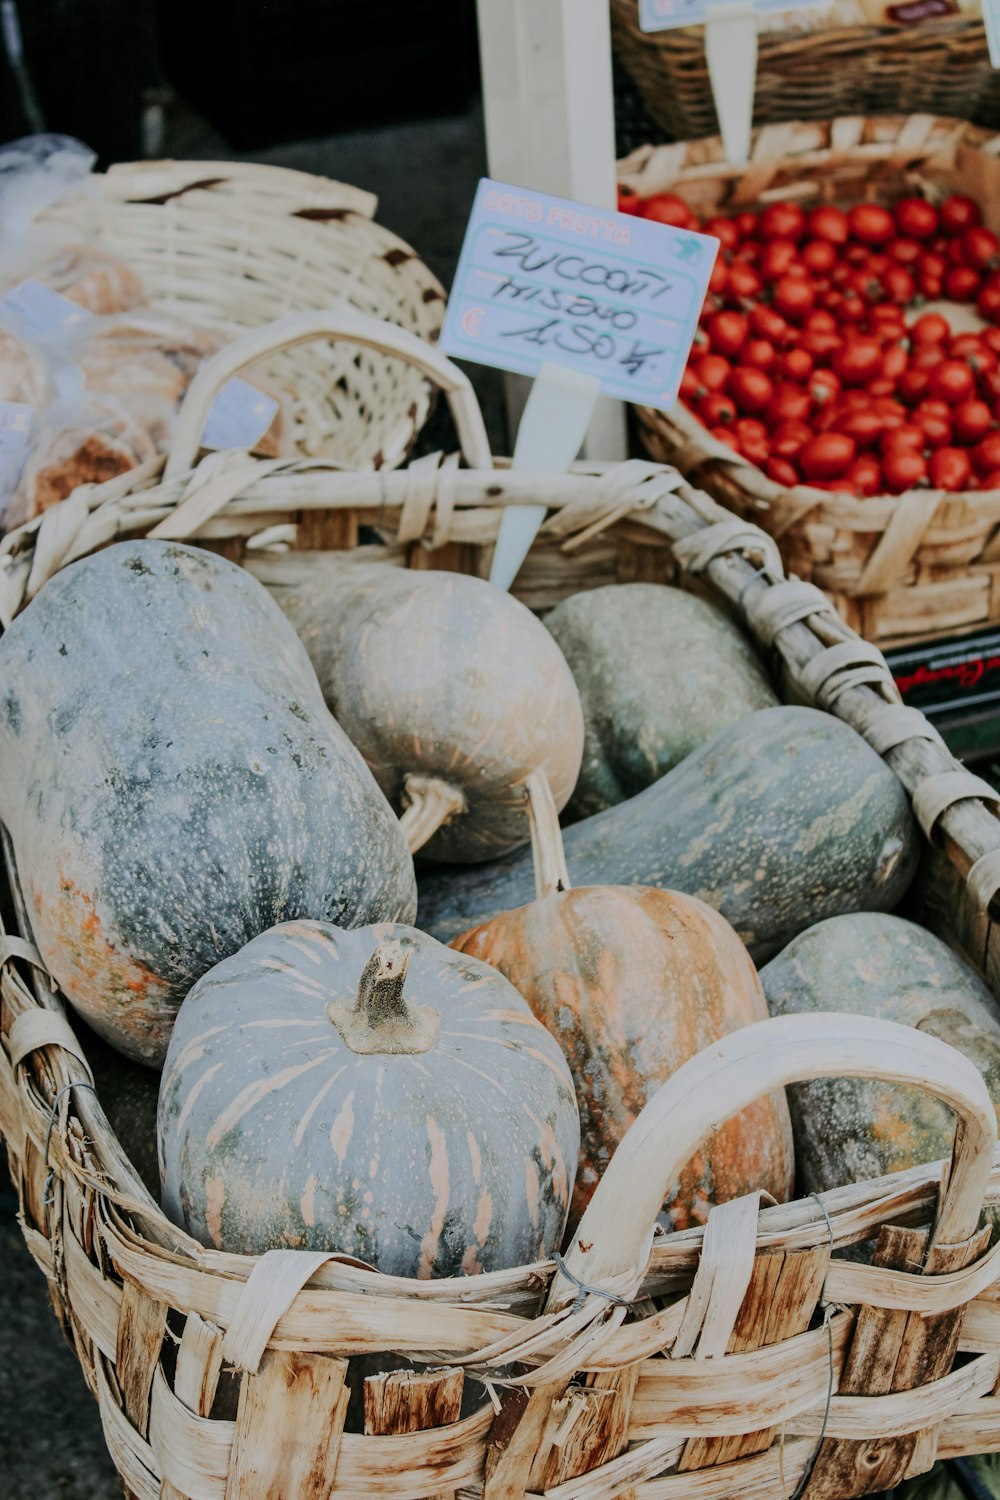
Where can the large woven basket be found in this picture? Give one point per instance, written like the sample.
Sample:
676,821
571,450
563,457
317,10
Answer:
899,567
742,1360
939,66
229,246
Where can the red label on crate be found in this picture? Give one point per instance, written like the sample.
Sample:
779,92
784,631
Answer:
920,10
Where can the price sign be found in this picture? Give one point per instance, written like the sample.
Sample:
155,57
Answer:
15,432
664,15
33,310
991,21
545,281
238,417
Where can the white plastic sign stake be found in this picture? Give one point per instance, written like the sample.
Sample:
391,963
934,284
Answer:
584,299
730,52
991,21
551,433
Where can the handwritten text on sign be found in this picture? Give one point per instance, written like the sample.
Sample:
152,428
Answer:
542,279
664,15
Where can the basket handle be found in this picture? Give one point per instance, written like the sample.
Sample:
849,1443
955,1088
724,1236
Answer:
610,1246
329,323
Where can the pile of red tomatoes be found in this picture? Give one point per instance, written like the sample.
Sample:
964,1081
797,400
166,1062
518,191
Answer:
815,361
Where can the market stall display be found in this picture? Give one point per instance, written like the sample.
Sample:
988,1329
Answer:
867,304
200,1358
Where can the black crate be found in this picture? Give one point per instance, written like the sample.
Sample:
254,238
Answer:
267,71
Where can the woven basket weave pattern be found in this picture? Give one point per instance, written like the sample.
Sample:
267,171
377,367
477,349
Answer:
941,67
899,568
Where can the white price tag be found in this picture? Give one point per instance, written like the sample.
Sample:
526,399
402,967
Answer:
991,20
33,309
238,417
15,433
665,15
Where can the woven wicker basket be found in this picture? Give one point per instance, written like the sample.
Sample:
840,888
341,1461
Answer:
899,567
229,246
939,66
750,1358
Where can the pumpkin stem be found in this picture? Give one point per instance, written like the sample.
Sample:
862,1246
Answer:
547,852
381,1020
430,803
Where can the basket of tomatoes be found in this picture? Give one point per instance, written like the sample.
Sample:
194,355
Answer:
843,391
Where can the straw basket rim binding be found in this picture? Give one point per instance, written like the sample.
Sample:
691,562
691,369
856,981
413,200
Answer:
229,246
861,551
260,1315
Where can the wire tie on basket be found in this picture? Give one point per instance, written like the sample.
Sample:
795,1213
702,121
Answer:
78,1083
828,1311
584,1290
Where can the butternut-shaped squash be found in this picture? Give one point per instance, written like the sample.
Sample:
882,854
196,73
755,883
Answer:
453,692
782,819
173,783
659,672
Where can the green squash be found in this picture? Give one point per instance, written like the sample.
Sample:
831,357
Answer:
173,783
453,692
872,964
782,819
659,672
368,1092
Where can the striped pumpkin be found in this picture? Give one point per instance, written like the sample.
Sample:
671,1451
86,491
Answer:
369,1092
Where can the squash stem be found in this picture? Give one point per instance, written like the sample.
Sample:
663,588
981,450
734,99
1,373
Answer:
381,1022
547,852
430,804
380,988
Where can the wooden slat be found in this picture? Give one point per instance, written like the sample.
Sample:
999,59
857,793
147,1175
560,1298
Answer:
142,1324
587,1427
288,1428
412,1401
196,1377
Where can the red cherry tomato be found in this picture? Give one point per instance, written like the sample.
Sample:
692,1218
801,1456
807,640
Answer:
726,231
712,371
781,471
986,454
931,328
718,281
988,302
819,257
905,251
827,455
980,247
790,403
788,437
753,440
962,284
629,201
871,223
990,481
865,474
767,324
820,320
899,284
690,386
908,435
760,354
950,469
828,223
823,386
972,421
743,281
728,331
959,213
715,409
931,287
903,469
912,384
865,427
777,257
782,221
952,380
725,435
893,413
916,218
895,361
746,223
794,297
857,360
667,208
927,356
937,429
796,364
853,309
751,389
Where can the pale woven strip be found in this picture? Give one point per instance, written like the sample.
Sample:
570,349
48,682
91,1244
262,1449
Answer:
695,552
445,500
848,664
983,880
774,609
44,1028
273,1285
721,1281
217,480
15,947
55,537
891,724
936,794
912,517
418,502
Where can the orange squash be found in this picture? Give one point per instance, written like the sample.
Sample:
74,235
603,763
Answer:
633,981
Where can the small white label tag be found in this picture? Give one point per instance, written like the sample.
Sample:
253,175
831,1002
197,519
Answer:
238,417
15,431
34,310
